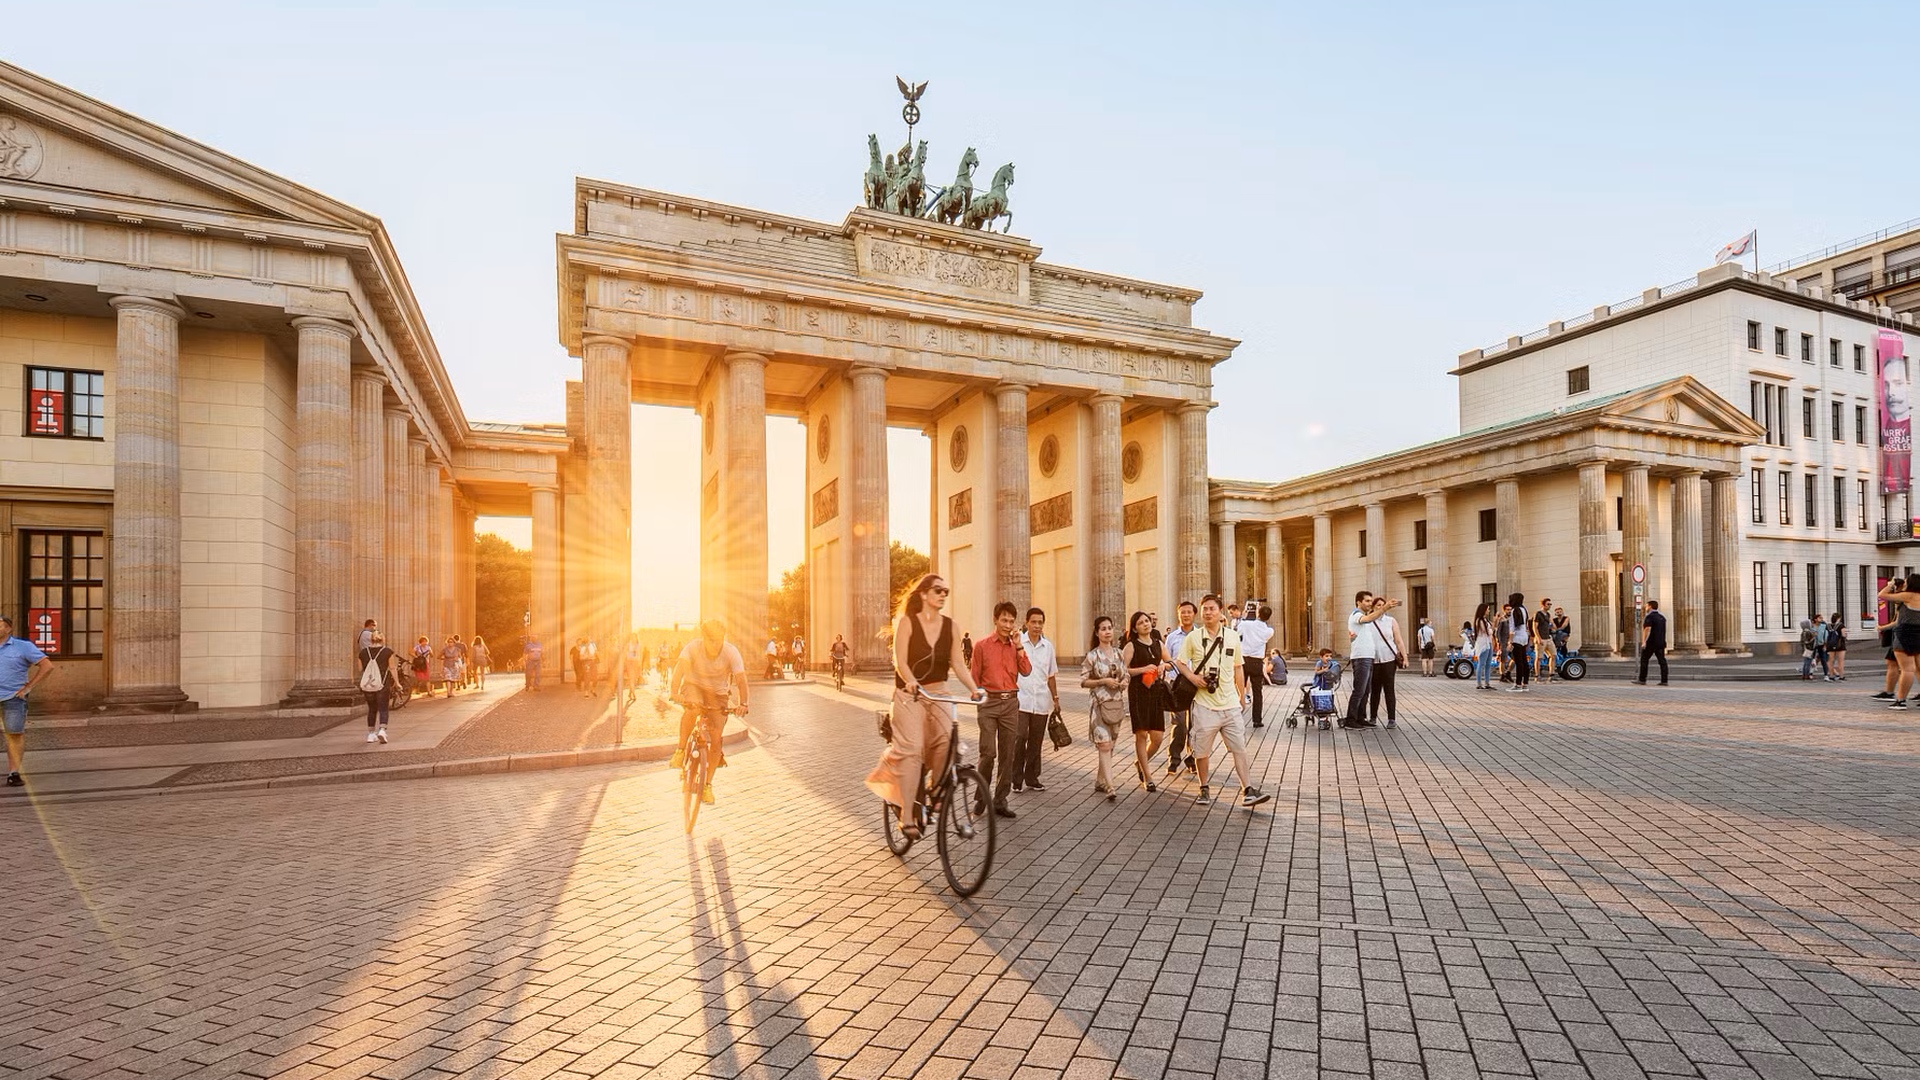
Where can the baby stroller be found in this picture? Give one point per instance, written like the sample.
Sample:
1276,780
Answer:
1316,698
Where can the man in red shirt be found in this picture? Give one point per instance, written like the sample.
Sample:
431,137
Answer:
997,665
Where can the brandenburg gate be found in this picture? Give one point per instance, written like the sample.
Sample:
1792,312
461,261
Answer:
1067,409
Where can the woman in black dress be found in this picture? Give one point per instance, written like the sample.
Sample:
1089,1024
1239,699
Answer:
1142,655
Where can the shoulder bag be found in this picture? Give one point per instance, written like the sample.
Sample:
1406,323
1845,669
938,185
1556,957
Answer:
1057,731
1181,690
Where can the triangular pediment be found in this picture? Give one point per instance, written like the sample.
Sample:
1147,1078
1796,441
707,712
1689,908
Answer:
54,139
1684,402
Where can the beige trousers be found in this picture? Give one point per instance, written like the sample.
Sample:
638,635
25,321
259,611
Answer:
921,731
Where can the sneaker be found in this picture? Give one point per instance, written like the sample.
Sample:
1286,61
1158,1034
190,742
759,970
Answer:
1003,810
1253,797
371,737
1036,786
678,761
706,794
1205,798
1390,722
1898,705
1019,788
13,780
382,733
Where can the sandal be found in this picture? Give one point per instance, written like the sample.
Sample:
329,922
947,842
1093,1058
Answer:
911,832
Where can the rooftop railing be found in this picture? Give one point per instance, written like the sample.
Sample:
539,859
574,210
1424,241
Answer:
1846,245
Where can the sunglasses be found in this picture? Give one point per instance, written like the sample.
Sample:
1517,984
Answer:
939,590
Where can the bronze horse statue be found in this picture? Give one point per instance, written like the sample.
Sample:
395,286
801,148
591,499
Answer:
875,183
909,190
984,210
952,204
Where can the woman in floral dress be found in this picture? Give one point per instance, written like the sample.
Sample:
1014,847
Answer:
1105,678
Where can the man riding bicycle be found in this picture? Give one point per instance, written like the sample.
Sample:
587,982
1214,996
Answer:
840,650
708,668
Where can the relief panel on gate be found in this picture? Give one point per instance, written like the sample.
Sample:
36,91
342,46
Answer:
960,509
826,503
1140,516
1048,515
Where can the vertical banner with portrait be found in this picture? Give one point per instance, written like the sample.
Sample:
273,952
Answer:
1893,392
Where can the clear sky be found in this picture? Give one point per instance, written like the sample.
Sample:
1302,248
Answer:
1362,190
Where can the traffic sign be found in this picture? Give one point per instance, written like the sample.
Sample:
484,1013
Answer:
1639,573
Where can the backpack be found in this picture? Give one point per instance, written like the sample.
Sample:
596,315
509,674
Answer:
1820,634
372,677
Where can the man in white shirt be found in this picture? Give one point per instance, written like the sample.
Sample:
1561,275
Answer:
1363,641
1039,697
1254,636
1424,637
1181,721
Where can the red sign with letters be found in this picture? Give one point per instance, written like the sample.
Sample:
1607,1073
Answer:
44,629
46,412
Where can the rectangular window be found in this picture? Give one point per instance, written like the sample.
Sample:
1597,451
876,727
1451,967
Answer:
1489,530
1860,424
1840,591
1786,498
1813,500
1759,596
65,404
1489,594
1806,418
1759,486
1779,341
1766,392
1753,336
64,579
1867,614
1363,543
1786,596
1861,506
1837,422
1417,604
1420,535
1577,380
1619,513
1813,589
1833,352
1753,401
1806,348
1839,502
1860,362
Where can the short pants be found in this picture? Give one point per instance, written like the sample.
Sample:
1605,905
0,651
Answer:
13,712
1208,723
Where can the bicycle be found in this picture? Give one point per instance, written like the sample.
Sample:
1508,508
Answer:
839,674
401,692
963,836
697,751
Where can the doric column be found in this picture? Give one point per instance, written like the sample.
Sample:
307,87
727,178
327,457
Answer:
1440,607
546,569
369,508
743,488
1596,612
420,591
1013,539
1728,628
1506,545
397,616
143,620
1323,585
867,522
1275,563
1228,548
446,554
1636,528
1376,562
323,623
1106,530
466,599
1193,562
1689,571
607,380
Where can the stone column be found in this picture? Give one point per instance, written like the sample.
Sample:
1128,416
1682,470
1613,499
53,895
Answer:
1106,528
369,508
1689,564
143,613
546,570
1506,553
446,554
1440,599
1192,561
323,623
1323,586
1013,538
1596,567
397,612
420,499
433,565
743,495
867,520
1636,537
607,380
1728,625
1275,562
467,598
1376,562
1228,547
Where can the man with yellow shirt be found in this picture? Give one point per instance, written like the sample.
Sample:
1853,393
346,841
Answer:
1210,658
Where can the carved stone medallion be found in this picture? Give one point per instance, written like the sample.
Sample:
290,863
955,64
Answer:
1131,458
1049,455
957,449
21,151
823,437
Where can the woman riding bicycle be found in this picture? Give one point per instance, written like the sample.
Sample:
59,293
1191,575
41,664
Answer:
708,668
925,653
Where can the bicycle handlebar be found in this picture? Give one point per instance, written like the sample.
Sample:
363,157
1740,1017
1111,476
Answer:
924,696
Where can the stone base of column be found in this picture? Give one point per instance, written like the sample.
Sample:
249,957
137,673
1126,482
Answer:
331,694
1730,650
879,665
1692,650
147,699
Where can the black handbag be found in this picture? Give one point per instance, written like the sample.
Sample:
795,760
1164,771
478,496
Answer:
1057,731
1181,692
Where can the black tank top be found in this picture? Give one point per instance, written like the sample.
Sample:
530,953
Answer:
928,663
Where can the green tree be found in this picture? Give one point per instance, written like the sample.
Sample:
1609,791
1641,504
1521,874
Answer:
503,585
904,567
787,606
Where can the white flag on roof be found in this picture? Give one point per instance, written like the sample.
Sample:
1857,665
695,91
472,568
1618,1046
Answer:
1737,248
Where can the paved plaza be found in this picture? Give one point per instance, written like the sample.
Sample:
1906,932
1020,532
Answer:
1587,880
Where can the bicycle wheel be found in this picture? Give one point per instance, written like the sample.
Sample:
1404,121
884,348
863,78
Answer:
897,841
694,782
966,841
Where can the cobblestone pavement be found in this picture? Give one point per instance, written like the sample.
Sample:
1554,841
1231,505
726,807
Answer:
1589,880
